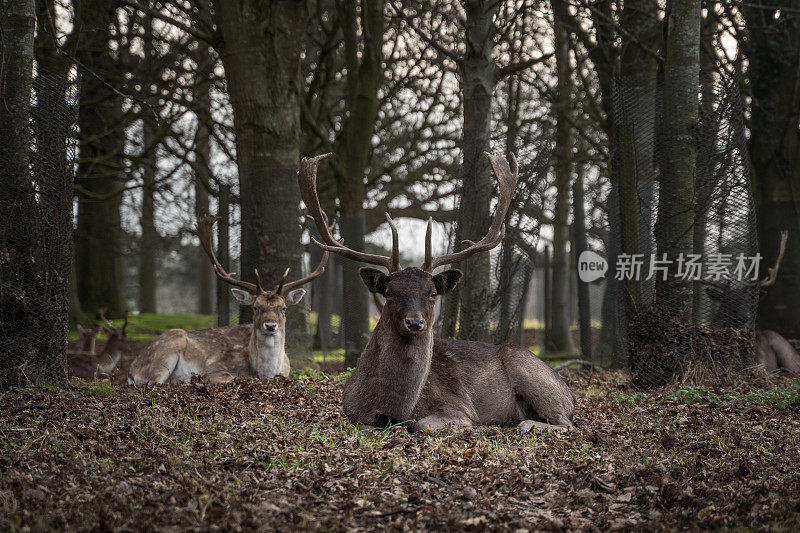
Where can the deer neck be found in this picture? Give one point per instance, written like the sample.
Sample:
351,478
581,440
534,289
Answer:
401,368
266,353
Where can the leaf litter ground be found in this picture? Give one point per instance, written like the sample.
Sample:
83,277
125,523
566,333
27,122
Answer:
279,455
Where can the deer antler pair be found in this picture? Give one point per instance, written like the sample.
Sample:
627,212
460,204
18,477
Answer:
506,176
204,232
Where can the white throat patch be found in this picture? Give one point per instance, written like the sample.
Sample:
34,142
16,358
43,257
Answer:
267,355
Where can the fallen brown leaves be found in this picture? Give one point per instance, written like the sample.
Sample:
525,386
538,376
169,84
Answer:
279,455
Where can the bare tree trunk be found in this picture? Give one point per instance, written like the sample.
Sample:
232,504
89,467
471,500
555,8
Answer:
205,276
478,79
584,305
560,336
223,254
774,74
675,221
101,150
704,181
261,52
149,240
635,136
364,77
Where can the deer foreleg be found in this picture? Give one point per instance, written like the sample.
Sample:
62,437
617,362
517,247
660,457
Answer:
438,421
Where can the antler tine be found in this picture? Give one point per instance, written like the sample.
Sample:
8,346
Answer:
507,180
395,245
101,314
773,272
204,233
311,276
279,286
307,180
258,281
426,266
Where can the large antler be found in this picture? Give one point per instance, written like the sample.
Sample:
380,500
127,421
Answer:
307,179
773,272
205,234
507,180
285,286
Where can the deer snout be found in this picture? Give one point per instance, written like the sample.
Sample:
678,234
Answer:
270,327
415,323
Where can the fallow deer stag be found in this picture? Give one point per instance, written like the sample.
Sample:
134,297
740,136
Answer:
222,354
405,374
85,363
772,350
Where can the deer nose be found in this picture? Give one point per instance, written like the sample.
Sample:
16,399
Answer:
270,326
415,324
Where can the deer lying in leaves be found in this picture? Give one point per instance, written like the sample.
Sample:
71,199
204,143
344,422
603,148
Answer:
222,354
405,374
85,363
772,350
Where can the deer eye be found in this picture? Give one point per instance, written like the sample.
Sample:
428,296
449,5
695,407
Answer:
283,309
433,295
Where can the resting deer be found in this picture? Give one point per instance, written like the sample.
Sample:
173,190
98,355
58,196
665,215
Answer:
405,374
85,363
222,354
772,350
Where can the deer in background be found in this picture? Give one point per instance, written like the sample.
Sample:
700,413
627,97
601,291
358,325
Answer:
85,363
772,350
406,374
222,354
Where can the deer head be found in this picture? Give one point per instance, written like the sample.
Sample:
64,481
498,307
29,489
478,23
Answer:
734,303
410,292
269,306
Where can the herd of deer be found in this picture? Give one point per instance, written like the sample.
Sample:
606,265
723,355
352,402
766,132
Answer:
405,374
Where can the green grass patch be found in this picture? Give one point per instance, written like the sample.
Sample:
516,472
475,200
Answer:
145,327
93,388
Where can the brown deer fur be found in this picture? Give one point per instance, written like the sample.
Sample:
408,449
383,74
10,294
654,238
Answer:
408,375
405,374
223,354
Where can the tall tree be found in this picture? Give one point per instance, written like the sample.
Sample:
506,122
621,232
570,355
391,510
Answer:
260,49
675,219
100,162
773,80
202,170
148,243
560,335
364,63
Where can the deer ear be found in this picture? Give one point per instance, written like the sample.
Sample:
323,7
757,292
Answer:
243,297
294,297
375,280
445,281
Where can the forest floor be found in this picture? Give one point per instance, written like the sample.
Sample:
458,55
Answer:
279,455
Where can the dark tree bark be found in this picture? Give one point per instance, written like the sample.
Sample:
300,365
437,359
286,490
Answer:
674,229
262,44
634,136
468,304
101,151
364,77
149,241
223,254
560,335
774,83
202,147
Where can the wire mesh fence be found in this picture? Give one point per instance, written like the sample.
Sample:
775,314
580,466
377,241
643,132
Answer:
687,267
36,237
